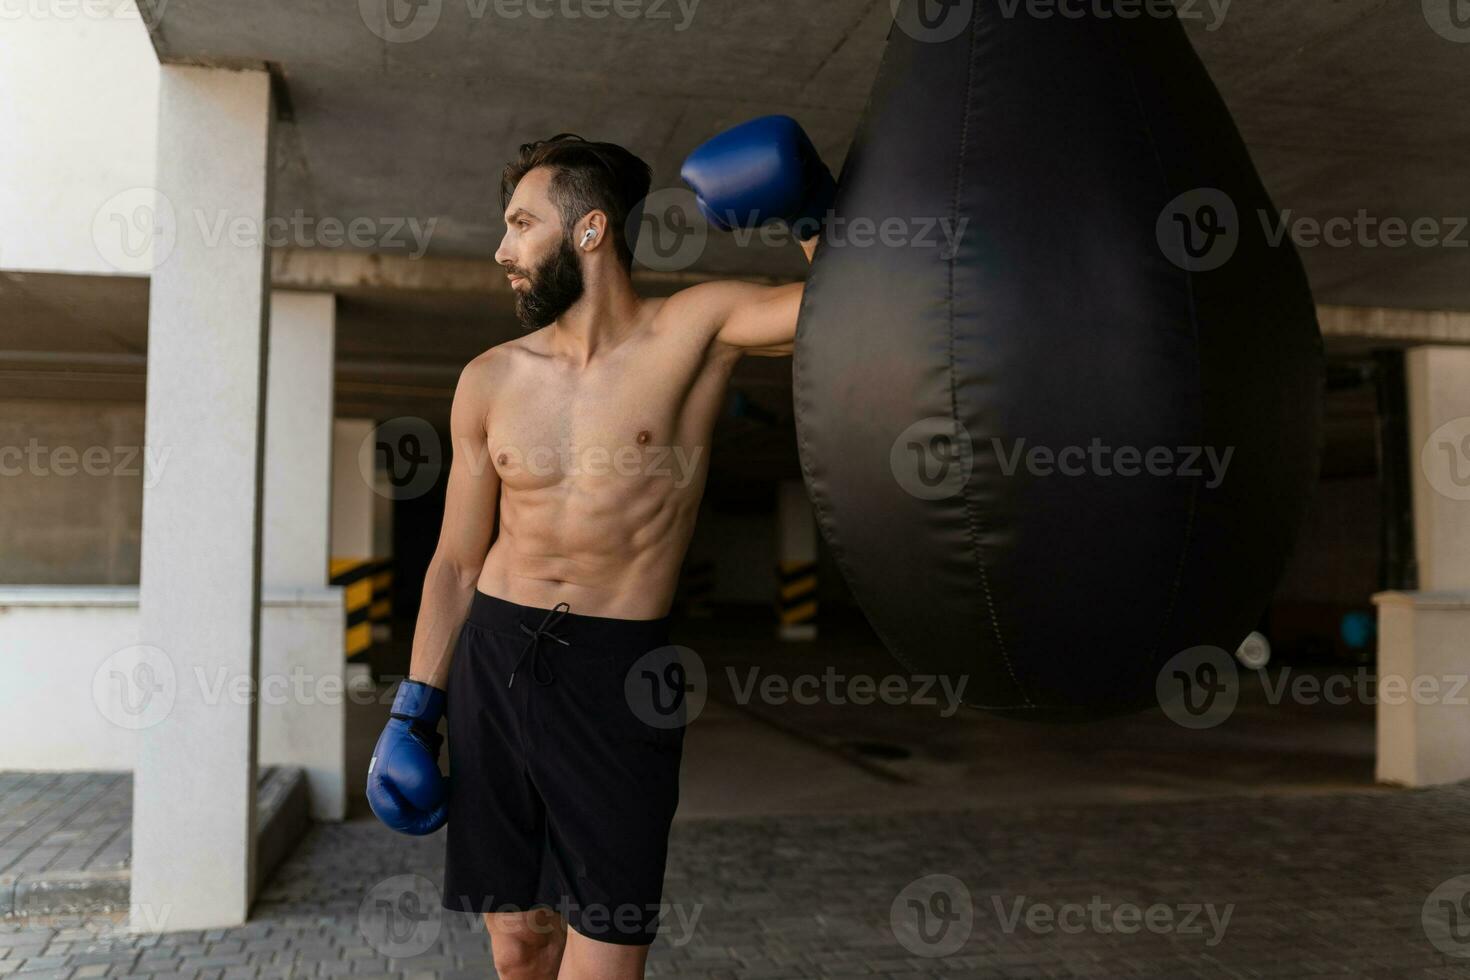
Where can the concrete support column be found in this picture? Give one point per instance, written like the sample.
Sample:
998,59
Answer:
194,785
353,500
796,562
298,467
361,515
303,707
1439,429
1423,656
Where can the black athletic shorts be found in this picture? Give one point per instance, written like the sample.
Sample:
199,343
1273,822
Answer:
565,735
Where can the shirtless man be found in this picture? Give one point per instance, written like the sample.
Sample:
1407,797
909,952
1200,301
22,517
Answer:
580,456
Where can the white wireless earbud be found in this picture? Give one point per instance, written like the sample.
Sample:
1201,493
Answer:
591,234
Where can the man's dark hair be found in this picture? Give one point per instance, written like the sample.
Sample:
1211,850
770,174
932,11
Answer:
587,176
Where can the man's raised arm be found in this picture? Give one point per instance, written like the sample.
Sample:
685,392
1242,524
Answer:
765,170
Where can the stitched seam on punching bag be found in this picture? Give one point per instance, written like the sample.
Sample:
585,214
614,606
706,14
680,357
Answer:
970,518
1169,193
817,483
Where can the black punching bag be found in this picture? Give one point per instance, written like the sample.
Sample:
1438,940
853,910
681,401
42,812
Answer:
1058,396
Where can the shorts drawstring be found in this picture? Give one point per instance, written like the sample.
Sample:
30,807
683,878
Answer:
532,649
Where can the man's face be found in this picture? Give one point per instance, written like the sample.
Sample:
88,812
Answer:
544,270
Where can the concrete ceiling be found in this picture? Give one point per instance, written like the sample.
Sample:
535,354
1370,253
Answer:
397,129
1346,104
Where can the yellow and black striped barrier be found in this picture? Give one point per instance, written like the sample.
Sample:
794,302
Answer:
368,588
796,606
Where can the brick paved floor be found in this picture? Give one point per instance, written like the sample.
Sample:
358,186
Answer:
64,822
1355,885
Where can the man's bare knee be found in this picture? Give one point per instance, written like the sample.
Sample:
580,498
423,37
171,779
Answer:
526,945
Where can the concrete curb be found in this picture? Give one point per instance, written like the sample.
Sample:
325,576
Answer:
283,808
43,893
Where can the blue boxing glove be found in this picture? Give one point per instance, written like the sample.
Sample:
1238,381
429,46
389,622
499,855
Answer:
762,170
404,785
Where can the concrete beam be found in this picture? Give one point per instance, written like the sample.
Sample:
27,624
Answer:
329,270
1398,326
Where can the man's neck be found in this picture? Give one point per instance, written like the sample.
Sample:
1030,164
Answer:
605,315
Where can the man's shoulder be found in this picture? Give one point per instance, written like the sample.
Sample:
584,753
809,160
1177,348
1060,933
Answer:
495,363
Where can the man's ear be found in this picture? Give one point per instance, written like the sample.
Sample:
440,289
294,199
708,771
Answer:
591,230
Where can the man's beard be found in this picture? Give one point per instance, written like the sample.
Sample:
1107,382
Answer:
551,289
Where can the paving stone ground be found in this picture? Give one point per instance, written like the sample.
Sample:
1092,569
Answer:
1355,885
62,822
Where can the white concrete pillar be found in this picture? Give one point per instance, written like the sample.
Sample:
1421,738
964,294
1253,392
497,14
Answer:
1423,696
1423,653
355,538
353,499
298,464
194,786
1439,430
796,562
303,708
